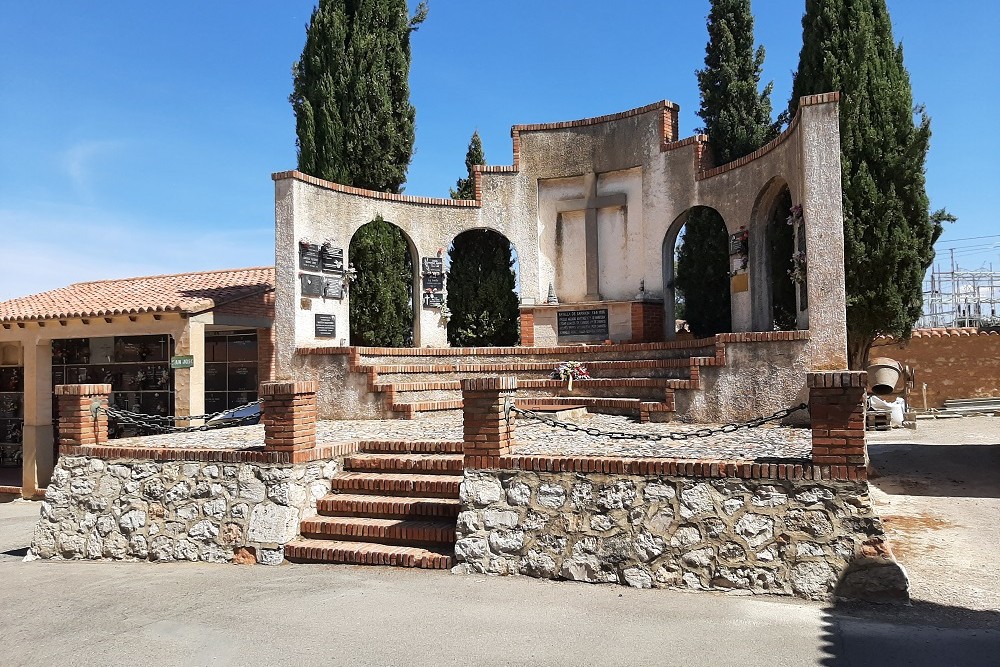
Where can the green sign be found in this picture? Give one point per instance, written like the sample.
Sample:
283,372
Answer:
182,361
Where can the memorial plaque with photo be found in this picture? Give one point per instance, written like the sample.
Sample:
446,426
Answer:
583,323
311,285
326,326
333,288
331,259
432,264
433,299
433,281
309,257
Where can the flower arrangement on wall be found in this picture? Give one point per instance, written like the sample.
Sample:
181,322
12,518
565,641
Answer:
569,371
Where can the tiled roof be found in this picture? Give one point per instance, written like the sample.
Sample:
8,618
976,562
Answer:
939,332
182,292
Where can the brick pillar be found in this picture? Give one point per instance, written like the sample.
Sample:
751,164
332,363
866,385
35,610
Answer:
647,322
487,431
289,415
265,354
527,328
837,416
77,424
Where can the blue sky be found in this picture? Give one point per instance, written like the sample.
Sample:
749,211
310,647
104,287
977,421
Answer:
139,138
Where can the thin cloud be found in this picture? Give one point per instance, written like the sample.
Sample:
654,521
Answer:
80,161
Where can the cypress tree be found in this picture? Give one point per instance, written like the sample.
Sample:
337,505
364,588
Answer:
737,117
465,188
355,125
481,294
481,280
889,234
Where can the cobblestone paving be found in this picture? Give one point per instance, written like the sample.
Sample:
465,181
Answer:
532,438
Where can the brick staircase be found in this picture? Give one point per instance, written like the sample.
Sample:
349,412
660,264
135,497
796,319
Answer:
634,379
395,503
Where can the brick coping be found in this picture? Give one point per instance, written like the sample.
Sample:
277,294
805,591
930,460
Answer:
739,337
257,455
702,468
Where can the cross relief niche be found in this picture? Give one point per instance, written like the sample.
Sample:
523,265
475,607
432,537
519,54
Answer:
589,243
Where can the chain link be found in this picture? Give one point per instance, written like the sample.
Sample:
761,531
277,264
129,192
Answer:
165,423
657,437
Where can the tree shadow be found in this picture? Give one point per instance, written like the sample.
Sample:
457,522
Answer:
967,471
924,633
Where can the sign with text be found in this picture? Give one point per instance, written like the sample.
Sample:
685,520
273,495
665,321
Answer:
432,264
309,257
333,288
182,361
433,299
433,281
331,259
311,285
326,326
589,323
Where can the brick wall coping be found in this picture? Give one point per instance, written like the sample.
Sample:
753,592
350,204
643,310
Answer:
286,388
938,332
495,383
595,120
372,194
835,379
81,389
588,305
674,467
329,451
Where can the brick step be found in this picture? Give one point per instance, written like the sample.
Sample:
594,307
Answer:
408,447
408,532
367,553
436,366
654,394
397,484
662,373
387,507
628,406
441,464
553,355
409,410
526,383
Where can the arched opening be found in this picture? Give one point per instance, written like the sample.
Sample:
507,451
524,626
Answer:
482,290
696,268
772,246
382,307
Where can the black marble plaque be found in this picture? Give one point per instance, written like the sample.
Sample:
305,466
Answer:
433,281
333,288
331,259
309,257
311,285
433,299
326,326
737,244
591,323
432,264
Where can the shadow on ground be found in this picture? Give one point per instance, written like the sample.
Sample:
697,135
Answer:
967,471
924,633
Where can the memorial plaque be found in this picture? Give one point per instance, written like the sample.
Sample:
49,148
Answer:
331,259
737,244
309,257
311,285
434,281
432,264
433,299
333,288
326,326
589,323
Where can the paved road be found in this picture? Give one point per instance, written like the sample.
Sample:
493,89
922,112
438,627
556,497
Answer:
85,613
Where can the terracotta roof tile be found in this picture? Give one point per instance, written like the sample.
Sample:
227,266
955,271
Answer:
182,292
939,332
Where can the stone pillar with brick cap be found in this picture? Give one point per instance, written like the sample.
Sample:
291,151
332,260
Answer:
289,415
837,417
78,425
488,428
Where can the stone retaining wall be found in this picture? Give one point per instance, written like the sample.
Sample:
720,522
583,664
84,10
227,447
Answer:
127,509
811,538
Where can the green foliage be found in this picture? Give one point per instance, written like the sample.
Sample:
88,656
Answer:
703,273
888,231
381,300
355,125
481,297
781,246
737,117
465,188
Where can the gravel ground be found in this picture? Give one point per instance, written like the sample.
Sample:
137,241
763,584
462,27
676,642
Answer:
938,493
533,438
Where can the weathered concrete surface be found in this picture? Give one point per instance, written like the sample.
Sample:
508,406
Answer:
939,496
83,613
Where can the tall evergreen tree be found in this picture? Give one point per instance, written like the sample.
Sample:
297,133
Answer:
465,188
737,117
889,234
355,125
481,281
386,318
481,294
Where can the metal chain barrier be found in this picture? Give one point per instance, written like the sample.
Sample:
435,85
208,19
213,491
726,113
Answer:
165,423
656,437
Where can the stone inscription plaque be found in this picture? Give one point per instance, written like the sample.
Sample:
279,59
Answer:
331,259
433,299
432,264
333,288
590,323
311,285
434,281
309,257
326,326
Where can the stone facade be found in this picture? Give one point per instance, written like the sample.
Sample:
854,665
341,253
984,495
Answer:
810,538
129,509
